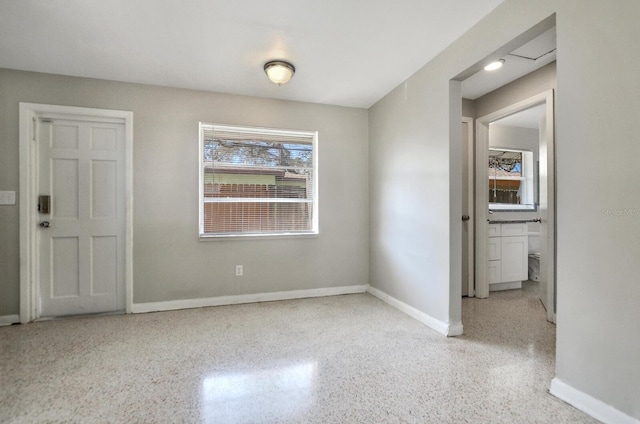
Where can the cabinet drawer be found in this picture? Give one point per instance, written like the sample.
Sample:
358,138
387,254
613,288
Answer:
494,230
510,230
495,248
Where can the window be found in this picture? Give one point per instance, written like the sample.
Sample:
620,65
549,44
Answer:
511,179
256,181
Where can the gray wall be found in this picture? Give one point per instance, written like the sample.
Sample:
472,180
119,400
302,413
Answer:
169,261
415,207
514,137
598,340
468,108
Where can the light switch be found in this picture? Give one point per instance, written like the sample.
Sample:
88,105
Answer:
7,197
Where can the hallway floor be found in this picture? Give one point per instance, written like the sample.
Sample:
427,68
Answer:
341,359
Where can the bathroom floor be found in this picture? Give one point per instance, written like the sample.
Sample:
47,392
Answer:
340,359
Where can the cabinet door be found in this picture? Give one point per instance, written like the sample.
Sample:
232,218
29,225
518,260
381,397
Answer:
494,247
494,272
514,258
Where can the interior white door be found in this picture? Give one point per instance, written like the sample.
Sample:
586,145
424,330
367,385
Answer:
81,240
543,204
547,224
467,208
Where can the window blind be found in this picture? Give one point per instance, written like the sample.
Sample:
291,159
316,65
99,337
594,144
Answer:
257,181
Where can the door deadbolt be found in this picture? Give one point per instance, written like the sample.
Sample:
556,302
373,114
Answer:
44,203
45,224
465,217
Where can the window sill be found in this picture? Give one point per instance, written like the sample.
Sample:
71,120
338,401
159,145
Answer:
227,237
506,207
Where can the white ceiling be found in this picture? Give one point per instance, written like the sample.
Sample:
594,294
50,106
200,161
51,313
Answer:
525,59
528,118
346,52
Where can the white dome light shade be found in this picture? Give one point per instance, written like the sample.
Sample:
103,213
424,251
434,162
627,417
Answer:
279,72
494,65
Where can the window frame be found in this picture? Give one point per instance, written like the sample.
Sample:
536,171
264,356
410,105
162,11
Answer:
262,131
527,179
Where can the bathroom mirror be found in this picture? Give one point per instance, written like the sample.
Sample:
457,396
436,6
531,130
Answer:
511,180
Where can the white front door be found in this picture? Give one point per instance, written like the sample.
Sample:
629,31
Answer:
81,239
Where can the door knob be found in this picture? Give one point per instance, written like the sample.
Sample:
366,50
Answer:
465,217
45,224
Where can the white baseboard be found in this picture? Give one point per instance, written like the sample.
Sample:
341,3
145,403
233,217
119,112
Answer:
589,405
9,319
447,329
171,305
505,286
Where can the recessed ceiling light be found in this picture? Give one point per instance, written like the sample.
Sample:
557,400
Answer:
494,65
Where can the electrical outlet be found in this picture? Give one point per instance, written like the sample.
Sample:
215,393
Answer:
239,270
7,197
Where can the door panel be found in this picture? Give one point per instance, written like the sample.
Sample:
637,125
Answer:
547,215
81,254
465,211
544,227
467,208
104,261
104,189
64,176
65,273
104,139
64,137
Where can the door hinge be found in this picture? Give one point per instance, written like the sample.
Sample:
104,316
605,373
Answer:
33,130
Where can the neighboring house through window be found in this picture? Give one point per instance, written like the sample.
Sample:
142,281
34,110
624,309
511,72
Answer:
257,181
511,183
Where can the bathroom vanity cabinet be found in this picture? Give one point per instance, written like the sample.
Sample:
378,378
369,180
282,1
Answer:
508,256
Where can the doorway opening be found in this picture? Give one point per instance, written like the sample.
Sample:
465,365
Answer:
515,228
486,98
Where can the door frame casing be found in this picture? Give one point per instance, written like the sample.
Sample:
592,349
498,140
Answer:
470,204
482,196
29,256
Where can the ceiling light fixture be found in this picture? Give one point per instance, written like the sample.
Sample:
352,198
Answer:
494,65
279,72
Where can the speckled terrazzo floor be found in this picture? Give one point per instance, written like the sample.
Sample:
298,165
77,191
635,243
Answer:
342,359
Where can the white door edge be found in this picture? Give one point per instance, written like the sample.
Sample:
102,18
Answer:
28,199
470,193
482,196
